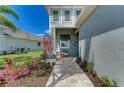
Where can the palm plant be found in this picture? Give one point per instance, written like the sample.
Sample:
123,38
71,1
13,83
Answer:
4,20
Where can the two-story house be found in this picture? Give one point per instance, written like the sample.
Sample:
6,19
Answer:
99,31
62,27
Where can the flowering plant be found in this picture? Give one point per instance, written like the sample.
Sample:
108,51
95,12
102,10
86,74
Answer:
13,72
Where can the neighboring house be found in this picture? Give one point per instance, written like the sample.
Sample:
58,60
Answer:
14,41
62,27
100,32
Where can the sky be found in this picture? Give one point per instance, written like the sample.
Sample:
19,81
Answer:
32,18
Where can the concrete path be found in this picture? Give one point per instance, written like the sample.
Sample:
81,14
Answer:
67,73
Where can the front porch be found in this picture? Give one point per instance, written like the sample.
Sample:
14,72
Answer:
66,40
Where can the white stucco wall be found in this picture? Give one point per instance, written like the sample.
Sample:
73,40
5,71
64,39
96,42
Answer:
106,51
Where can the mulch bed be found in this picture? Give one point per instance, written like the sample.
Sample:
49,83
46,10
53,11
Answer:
94,79
31,80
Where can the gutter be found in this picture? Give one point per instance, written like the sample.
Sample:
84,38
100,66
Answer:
85,14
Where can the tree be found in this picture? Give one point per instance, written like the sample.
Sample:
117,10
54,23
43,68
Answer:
4,20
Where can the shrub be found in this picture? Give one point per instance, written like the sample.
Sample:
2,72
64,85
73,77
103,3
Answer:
28,63
9,60
89,68
4,52
43,55
40,73
28,49
44,66
44,52
106,81
26,52
114,83
78,60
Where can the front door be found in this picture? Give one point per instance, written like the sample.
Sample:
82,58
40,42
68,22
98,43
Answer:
65,43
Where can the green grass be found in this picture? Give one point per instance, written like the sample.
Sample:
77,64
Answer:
20,58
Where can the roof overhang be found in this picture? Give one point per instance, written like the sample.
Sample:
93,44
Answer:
47,7
89,9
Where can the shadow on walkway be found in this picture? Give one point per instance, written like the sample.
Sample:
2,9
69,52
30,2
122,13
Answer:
67,73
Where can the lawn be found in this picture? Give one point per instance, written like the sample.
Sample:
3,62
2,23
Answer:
20,58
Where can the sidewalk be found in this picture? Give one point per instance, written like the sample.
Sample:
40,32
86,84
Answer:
67,73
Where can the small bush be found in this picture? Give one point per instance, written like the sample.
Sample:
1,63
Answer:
9,60
114,83
44,66
40,73
43,55
4,52
89,68
28,64
106,81
78,60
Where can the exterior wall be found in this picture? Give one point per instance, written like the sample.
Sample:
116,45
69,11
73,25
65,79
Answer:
73,50
10,44
61,10
102,41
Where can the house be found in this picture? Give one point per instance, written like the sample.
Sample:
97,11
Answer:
19,40
96,35
62,27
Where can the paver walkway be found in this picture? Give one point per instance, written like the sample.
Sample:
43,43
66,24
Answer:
67,73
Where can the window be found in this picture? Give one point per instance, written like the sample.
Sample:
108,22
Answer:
78,13
39,44
64,41
67,15
56,15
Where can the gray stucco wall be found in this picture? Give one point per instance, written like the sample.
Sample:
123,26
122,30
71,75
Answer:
102,41
73,50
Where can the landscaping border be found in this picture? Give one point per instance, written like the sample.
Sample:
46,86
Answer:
97,82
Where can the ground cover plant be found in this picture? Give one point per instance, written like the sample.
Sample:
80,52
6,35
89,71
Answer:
33,72
102,81
20,58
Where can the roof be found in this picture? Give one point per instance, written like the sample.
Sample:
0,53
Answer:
21,34
89,9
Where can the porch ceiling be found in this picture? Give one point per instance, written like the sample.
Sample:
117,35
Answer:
60,29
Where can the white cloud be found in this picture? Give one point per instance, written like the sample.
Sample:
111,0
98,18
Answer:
40,35
47,31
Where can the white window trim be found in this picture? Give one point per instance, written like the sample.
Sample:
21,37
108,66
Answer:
65,47
58,16
69,15
76,13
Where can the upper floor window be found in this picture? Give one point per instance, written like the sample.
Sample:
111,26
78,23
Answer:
55,15
78,13
67,15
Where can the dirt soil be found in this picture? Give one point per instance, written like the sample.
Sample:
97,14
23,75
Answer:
30,81
94,79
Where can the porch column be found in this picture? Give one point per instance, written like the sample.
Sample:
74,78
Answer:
54,39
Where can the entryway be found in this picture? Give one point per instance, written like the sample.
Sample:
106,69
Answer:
67,41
